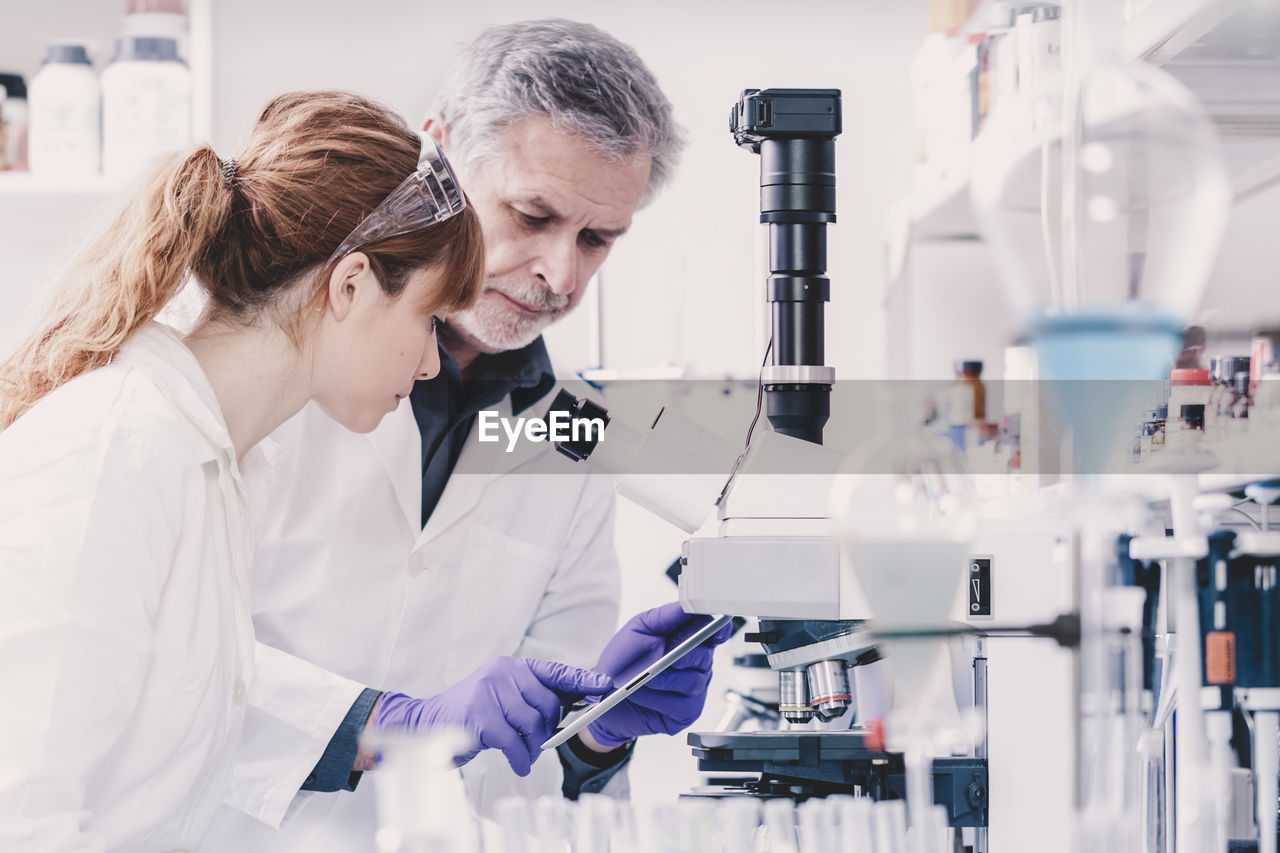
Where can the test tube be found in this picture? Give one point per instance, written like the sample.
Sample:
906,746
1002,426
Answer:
817,827
421,802
698,824
1266,742
596,815
515,824
889,820
854,814
740,824
931,834
552,825
626,836
780,823
668,835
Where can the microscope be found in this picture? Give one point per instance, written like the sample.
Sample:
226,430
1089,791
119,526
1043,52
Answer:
766,546
770,549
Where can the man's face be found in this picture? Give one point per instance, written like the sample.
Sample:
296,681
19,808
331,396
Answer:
551,207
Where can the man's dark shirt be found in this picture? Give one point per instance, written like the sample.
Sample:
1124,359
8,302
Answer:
446,409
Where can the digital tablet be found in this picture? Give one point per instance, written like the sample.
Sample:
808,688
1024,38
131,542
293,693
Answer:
576,722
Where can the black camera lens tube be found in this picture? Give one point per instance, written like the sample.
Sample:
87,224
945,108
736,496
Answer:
793,131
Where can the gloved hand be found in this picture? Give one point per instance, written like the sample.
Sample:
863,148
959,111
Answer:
511,704
674,698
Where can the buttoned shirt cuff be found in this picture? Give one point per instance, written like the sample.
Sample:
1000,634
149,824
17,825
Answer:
587,771
333,771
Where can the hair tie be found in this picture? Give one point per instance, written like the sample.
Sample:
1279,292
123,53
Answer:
229,172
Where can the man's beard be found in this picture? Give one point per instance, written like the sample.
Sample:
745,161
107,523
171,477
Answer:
493,325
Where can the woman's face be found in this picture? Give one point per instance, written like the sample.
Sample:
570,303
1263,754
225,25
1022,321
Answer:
377,348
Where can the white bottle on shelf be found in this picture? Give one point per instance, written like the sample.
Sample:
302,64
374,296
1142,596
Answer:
164,18
146,105
14,118
64,105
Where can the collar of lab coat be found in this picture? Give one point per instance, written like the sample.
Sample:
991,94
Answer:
489,461
397,443
159,353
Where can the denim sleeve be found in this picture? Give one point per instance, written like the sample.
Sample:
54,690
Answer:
333,771
587,772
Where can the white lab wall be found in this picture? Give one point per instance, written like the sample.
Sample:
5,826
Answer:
685,287
37,235
38,231
949,302
948,305
28,27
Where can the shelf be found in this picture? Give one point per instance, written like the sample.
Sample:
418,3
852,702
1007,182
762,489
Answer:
1168,27
940,208
99,24
1154,488
26,184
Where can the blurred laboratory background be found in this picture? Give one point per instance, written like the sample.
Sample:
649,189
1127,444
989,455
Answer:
681,292
953,117
666,285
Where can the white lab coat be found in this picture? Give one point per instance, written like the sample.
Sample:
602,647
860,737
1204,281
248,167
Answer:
126,642
349,591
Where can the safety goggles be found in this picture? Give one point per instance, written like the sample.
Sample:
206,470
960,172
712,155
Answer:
430,195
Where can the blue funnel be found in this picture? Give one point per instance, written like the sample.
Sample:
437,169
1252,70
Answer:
1099,367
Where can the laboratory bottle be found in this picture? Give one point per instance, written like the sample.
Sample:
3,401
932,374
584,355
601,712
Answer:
158,18
997,68
1009,441
1159,422
1187,386
1237,414
967,400
146,105
1264,381
14,118
1187,433
965,405
64,102
1235,364
1264,411
1193,346
1039,32
4,161
1219,413
1213,406
1193,417
1264,350
1150,426
1155,429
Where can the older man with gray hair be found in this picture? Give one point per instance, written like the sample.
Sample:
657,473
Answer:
414,577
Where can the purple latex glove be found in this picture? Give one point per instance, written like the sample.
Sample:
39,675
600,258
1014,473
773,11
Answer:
674,698
511,704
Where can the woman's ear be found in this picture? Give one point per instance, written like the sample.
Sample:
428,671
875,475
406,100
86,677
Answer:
346,282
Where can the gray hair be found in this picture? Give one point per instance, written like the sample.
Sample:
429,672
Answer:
579,76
